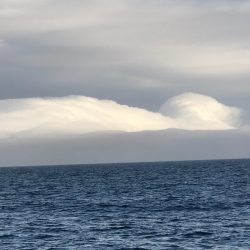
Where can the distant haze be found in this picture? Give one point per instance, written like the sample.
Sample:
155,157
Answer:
127,147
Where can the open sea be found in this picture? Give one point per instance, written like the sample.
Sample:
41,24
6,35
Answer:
162,205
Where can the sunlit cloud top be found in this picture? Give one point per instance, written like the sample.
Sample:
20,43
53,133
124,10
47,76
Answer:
81,115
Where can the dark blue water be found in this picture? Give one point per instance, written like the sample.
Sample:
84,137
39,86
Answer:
175,205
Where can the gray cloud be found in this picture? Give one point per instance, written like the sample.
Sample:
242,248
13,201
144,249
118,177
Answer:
127,147
122,50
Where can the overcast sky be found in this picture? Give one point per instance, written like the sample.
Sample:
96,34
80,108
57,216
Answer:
137,53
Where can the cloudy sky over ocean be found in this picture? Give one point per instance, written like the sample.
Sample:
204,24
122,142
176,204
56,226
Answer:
71,69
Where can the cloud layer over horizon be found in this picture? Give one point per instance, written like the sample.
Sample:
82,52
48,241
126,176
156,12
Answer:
80,115
73,69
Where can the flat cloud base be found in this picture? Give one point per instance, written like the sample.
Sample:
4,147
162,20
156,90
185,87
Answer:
165,145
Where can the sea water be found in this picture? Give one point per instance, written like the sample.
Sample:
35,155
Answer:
162,205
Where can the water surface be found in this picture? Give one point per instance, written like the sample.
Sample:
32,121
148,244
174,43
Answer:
171,205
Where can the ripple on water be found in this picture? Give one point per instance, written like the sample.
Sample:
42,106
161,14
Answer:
175,205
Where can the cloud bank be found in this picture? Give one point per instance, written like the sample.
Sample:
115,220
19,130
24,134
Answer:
80,115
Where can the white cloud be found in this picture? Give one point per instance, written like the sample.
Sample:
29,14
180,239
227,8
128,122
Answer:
195,111
80,114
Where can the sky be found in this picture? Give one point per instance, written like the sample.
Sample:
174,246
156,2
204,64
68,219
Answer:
71,69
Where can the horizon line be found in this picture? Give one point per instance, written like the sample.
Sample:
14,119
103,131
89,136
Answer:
122,163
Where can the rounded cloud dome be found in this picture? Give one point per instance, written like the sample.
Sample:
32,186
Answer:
196,111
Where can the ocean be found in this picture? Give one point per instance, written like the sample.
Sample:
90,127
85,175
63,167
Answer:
162,205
